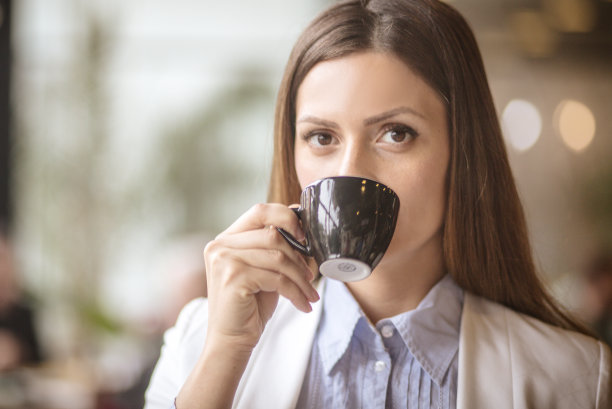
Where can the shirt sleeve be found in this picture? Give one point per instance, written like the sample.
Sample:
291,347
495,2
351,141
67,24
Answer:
168,375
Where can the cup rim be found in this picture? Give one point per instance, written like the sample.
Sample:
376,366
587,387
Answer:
316,182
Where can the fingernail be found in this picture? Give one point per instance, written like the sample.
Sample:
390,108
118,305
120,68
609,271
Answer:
314,295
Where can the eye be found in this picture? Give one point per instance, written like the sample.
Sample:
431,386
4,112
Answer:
398,133
318,138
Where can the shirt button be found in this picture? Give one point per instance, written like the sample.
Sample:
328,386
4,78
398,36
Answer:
379,366
387,331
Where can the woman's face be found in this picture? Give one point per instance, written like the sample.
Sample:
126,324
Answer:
369,115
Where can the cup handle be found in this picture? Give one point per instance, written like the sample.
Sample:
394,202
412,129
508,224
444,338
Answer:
292,240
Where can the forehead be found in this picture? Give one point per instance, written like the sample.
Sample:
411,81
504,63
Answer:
362,82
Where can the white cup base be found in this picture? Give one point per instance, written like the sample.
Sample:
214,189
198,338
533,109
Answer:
345,269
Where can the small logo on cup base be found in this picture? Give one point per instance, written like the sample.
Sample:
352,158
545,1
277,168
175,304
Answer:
347,267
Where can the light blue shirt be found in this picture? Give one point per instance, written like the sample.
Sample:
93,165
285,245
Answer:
406,361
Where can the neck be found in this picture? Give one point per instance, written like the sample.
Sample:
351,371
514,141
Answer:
399,284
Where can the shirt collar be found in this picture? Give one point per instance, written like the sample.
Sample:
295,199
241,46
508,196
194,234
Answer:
341,313
430,332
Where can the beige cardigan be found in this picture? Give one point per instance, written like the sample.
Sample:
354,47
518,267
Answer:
506,360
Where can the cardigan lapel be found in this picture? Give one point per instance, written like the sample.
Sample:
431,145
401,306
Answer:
279,362
274,375
486,377
485,370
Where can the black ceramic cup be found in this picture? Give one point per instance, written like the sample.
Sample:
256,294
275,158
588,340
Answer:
348,223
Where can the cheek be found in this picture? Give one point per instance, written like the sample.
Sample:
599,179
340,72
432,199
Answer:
309,168
422,202
302,169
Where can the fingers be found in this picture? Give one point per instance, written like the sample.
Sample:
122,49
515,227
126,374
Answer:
276,261
269,239
250,271
248,267
267,214
268,281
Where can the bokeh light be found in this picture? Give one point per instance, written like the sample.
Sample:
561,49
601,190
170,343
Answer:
572,16
522,124
575,122
532,33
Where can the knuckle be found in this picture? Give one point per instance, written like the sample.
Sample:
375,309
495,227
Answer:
272,237
259,208
283,282
231,274
231,270
210,247
277,256
215,255
212,251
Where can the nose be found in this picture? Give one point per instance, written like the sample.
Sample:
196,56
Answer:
356,160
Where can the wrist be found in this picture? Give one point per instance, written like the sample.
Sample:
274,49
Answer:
236,347
214,379
216,354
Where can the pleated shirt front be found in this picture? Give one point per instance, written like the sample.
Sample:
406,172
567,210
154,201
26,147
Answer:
406,361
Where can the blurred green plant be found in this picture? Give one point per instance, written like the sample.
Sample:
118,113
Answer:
79,220
62,203
198,168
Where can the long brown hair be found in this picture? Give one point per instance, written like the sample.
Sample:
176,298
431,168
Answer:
486,245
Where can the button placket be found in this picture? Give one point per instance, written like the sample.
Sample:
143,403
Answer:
387,331
380,366
380,380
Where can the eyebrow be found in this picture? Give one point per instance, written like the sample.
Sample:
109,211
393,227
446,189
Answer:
318,121
390,114
368,121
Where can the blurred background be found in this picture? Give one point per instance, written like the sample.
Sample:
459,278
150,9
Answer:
133,132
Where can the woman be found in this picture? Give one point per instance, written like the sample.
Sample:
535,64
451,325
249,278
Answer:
454,315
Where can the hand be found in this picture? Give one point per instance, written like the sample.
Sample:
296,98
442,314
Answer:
248,266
